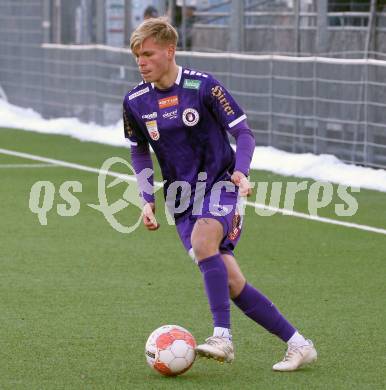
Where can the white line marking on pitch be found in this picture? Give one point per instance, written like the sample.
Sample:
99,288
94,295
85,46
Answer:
6,166
159,184
317,218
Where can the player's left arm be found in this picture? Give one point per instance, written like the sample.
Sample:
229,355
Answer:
232,117
245,146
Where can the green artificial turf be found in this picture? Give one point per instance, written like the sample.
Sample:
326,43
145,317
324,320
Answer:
79,299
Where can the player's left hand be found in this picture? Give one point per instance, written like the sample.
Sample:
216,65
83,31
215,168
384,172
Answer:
240,180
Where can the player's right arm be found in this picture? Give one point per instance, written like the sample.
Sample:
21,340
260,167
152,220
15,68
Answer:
232,118
143,167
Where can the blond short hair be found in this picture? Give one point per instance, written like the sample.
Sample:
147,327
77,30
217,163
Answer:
158,28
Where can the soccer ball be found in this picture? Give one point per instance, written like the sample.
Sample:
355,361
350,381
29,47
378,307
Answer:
170,350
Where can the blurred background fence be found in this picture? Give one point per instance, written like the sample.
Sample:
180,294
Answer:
329,96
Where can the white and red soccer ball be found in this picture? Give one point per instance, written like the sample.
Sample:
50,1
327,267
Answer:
170,350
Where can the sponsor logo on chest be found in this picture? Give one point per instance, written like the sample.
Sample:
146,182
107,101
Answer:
192,84
170,114
167,102
153,115
152,128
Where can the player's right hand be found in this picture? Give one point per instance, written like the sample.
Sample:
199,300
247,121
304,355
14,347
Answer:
148,217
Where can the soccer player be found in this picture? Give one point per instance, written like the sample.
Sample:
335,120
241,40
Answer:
185,116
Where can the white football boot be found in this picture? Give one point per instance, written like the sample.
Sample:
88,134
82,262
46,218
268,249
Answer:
218,348
297,356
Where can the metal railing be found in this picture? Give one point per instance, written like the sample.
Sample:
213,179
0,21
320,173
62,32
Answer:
301,104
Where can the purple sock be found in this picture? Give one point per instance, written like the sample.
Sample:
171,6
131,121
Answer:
261,310
215,277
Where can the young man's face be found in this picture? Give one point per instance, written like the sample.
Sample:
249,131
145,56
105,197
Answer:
153,59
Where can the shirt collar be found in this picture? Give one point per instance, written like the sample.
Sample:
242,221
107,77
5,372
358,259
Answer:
178,79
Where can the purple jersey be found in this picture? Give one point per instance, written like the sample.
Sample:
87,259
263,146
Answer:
186,125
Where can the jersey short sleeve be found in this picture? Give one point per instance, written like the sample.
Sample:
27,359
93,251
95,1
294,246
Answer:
221,103
130,128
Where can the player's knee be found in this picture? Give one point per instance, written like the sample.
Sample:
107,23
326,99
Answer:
205,239
203,248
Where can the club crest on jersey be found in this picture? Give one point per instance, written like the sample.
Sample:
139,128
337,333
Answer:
190,117
152,128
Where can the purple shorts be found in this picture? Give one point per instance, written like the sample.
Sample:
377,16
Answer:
227,211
